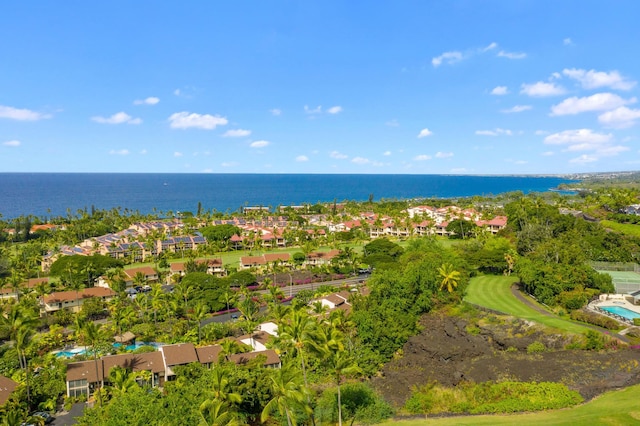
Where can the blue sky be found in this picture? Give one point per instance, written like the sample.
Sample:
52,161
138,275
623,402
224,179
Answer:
462,87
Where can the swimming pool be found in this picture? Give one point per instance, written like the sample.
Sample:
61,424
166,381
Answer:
137,345
71,353
623,312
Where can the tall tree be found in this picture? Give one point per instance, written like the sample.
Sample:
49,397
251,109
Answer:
450,277
288,396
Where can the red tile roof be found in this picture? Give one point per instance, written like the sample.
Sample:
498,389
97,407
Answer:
68,296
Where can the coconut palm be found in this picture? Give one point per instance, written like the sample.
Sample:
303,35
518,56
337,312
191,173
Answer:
289,395
122,381
216,413
450,277
199,312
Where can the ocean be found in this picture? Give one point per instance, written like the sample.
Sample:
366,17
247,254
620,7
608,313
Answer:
57,194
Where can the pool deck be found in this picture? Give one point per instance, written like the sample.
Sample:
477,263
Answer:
617,300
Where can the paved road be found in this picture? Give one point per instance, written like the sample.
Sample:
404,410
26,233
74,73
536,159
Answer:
290,291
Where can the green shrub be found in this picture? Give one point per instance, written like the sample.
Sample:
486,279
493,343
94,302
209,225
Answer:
595,319
594,341
360,403
636,321
491,398
536,347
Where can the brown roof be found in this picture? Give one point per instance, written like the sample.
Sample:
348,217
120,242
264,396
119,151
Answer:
84,370
259,336
242,359
177,267
6,387
179,354
215,262
150,361
272,257
127,336
68,296
33,282
146,270
335,299
252,260
208,354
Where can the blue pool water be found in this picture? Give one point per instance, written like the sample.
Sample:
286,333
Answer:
623,312
137,345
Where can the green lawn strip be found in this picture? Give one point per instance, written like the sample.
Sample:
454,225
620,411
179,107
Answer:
613,408
624,228
494,292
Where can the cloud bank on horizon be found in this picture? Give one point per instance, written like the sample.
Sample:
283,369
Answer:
321,87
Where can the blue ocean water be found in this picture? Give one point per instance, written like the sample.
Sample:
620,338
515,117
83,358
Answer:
55,194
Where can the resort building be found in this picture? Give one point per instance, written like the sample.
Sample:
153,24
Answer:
72,300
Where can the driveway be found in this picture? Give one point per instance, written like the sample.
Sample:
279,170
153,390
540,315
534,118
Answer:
69,418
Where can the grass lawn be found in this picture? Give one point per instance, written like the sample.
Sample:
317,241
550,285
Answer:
494,292
613,408
623,228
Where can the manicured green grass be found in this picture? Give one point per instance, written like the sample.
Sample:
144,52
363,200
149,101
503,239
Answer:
494,292
623,228
613,408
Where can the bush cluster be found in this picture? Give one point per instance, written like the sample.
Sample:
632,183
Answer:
491,397
595,319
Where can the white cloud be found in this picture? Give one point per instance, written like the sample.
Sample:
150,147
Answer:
567,42
597,102
620,117
177,154
275,111
335,110
177,92
143,152
151,100
447,57
512,55
236,133
12,143
422,157
360,160
338,155
117,118
424,133
496,132
597,144
386,153
579,136
185,120
593,79
316,110
302,158
229,164
517,108
541,132
547,153
119,152
21,114
444,154
259,144
490,47
542,89
583,159
392,123
500,90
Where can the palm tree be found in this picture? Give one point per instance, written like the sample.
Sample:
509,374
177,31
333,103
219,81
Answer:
91,333
122,381
199,313
19,324
216,413
450,277
220,388
341,364
298,331
288,395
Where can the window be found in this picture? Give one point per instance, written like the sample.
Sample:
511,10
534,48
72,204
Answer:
78,387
